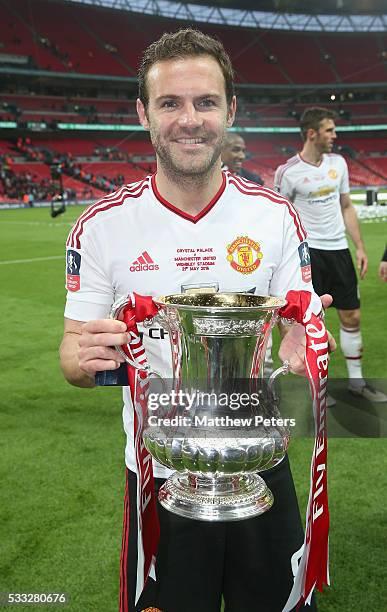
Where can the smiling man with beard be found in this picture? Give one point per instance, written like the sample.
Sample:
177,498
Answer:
189,225
187,116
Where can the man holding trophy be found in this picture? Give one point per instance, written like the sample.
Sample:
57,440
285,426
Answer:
189,226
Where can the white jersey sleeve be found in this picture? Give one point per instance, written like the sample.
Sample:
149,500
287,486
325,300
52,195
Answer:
89,291
294,269
344,184
282,184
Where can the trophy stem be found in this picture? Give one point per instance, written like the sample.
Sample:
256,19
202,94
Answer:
226,498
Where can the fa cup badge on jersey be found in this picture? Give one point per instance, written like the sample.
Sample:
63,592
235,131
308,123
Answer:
305,263
244,254
73,267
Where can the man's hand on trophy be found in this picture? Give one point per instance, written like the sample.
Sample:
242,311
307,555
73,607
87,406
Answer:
96,343
292,347
326,301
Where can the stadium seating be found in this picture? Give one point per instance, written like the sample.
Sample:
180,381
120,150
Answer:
360,175
365,145
37,170
83,192
356,57
81,109
17,36
378,165
5,148
300,57
89,39
264,155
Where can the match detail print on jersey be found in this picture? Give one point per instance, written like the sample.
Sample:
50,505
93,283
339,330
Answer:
194,259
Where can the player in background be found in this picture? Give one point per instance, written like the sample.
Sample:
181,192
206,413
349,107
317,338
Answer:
316,181
383,267
233,156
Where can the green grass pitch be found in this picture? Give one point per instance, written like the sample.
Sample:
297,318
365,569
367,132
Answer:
62,467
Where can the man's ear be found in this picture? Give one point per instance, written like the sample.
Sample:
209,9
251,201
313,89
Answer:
142,116
231,112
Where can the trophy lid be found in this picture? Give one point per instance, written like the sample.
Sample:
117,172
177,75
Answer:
219,301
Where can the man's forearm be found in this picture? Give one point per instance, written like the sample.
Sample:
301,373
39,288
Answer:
352,226
69,362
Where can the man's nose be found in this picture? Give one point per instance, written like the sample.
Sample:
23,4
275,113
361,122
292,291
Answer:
190,116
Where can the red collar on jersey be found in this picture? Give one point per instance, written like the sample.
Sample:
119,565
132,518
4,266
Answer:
311,163
181,213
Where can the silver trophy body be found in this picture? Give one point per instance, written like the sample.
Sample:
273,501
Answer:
218,343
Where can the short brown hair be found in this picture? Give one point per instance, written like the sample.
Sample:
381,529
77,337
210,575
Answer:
184,43
312,117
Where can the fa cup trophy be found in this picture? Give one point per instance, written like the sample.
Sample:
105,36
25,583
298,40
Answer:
221,428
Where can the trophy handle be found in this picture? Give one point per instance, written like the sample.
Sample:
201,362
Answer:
138,366
132,361
284,369
116,313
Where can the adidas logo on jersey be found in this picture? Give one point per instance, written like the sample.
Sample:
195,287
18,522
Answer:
144,263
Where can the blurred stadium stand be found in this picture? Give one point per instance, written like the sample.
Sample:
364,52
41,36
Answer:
71,63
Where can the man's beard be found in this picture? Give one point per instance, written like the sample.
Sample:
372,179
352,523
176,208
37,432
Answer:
325,148
193,168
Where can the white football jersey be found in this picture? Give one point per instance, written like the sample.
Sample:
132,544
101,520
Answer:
246,238
315,191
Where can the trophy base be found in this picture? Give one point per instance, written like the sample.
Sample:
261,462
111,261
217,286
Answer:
227,498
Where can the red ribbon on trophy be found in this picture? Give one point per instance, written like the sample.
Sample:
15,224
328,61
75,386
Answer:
137,310
313,569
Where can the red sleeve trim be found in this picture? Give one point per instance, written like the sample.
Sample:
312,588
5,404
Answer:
113,200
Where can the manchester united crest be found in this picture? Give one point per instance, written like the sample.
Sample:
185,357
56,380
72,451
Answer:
244,254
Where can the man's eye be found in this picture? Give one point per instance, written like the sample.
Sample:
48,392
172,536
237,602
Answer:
168,104
207,102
